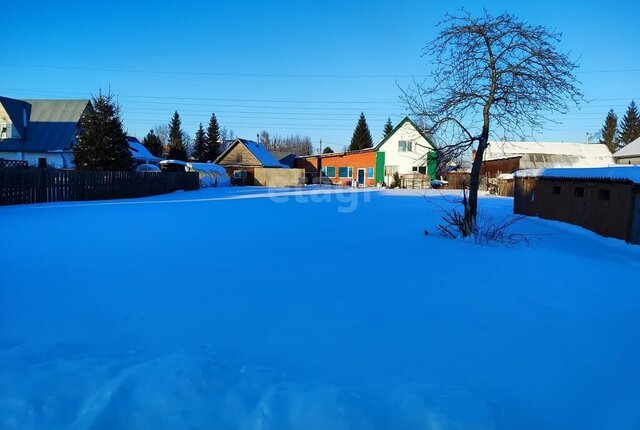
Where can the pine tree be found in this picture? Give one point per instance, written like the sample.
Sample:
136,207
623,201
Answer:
327,150
630,126
199,145
213,149
153,144
610,131
388,128
102,143
177,150
361,135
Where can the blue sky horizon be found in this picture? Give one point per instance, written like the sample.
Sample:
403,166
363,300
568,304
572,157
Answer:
305,68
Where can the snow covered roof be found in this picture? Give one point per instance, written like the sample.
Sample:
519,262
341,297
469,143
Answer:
537,155
630,150
618,173
139,152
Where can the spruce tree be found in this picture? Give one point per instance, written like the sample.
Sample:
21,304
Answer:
213,149
630,126
361,135
153,144
177,150
610,131
388,128
102,143
199,145
327,150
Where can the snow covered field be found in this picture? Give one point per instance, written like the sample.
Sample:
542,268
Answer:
248,309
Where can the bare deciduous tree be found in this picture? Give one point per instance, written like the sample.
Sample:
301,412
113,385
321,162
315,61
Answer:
492,74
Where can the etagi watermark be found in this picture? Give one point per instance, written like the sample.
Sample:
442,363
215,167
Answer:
348,200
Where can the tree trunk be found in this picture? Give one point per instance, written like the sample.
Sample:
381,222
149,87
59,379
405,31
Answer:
471,204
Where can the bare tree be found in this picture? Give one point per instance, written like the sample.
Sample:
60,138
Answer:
492,75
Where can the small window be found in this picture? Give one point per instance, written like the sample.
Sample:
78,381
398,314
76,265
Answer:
409,146
402,146
345,172
556,189
370,173
579,192
604,194
331,172
239,157
422,169
414,169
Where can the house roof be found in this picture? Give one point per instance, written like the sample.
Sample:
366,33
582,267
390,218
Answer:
18,112
632,149
265,158
140,152
52,126
338,154
286,158
550,154
617,173
397,127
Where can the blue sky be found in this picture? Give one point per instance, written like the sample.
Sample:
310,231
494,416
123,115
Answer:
304,67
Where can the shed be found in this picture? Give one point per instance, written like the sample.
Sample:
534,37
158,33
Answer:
604,200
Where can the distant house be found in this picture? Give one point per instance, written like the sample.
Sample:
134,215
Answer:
242,157
628,154
406,150
140,153
35,129
508,157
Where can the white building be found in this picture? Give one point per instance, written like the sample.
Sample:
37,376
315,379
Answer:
628,154
405,150
34,129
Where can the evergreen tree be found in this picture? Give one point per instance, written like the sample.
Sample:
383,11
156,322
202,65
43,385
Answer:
327,150
199,145
153,144
388,128
213,148
177,150
361,135
102,143
610,131
630,126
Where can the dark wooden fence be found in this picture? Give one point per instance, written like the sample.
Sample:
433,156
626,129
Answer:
20,186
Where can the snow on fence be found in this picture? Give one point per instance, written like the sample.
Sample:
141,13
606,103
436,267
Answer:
22,186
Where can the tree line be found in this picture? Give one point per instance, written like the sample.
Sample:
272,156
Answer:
617,137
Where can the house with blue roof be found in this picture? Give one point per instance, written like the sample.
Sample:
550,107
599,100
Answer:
35,129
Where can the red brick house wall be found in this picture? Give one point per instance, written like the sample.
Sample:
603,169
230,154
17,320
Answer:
355,160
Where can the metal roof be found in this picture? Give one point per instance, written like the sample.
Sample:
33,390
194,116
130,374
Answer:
632,149
52,126
265,158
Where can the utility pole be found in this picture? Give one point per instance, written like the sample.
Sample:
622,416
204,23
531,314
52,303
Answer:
320,164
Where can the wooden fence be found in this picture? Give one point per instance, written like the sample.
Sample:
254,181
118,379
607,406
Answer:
21,186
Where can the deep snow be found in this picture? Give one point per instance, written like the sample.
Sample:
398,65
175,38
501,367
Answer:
246,308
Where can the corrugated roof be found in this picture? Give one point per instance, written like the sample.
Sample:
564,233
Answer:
617,173
542,155
52,126
630,150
